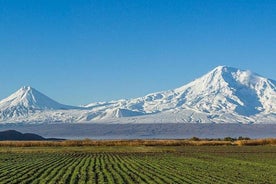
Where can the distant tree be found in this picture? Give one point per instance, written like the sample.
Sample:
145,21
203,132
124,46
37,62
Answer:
229,139
195,139
243,138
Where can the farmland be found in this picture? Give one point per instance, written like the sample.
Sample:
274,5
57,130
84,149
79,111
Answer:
138,164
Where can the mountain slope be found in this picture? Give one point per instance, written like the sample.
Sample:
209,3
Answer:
13,135
26,101
229,89
224,95
237,93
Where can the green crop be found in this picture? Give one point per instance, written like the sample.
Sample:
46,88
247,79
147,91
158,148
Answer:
182,164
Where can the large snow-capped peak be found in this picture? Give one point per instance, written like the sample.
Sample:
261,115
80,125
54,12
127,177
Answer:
227,88
30,98
224,90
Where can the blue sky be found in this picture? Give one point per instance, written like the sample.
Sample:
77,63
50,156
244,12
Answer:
82,51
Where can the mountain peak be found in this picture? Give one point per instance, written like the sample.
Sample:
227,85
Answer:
26,88
228,89
220,67
230,75
224,69
29,98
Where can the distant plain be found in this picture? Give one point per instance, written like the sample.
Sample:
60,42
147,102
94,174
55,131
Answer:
144,131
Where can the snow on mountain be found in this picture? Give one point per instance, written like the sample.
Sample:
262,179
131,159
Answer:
224,95
232,94
227,89
27,101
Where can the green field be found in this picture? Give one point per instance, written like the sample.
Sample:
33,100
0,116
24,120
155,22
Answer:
138,164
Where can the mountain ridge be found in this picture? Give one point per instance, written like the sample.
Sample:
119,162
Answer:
225,94
13,135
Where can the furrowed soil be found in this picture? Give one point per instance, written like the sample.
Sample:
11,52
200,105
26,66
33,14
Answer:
138,164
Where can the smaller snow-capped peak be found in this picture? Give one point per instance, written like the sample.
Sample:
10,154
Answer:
30,98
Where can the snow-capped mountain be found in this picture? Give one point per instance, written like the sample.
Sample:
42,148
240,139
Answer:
224,94
27,101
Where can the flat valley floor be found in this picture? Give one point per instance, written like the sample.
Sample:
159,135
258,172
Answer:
138,164
144,131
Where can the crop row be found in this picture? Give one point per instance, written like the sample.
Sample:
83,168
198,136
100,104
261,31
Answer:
98,168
